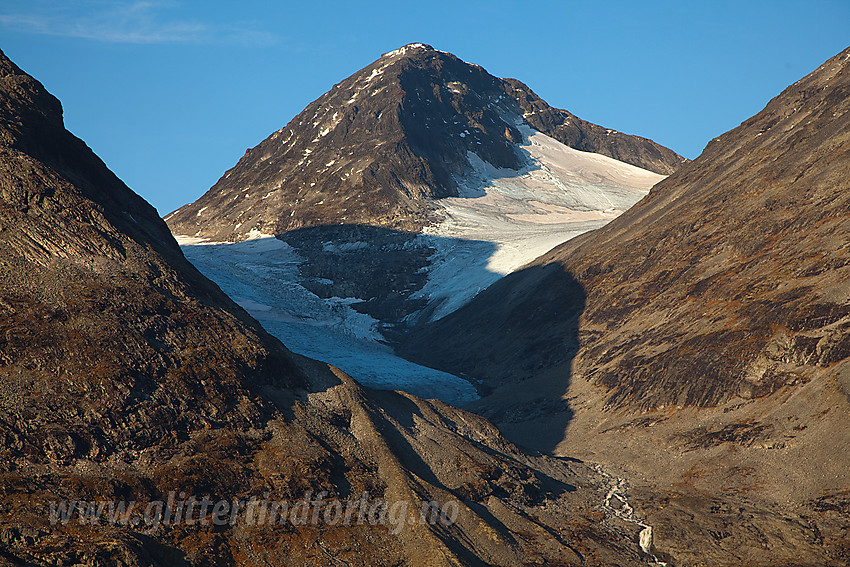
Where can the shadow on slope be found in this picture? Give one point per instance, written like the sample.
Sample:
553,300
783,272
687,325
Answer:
543,305
386,269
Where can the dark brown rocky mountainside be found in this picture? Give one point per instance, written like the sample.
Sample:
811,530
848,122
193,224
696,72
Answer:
700,342
125,376
382,144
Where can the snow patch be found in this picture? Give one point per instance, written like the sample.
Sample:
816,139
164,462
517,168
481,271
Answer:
404,49
375,73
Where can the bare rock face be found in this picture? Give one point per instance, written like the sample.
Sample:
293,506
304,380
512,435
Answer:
126,376
381,145
700,340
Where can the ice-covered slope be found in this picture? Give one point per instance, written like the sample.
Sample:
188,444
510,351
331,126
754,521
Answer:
262,276
560,193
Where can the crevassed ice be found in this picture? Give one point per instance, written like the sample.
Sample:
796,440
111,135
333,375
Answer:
261,274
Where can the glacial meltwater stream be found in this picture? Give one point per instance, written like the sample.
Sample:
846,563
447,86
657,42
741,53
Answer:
617,503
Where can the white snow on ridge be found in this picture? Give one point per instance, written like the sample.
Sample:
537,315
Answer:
261,274
504,218
404,49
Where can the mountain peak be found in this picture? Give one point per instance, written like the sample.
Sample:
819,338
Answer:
382,145
22,95
409,48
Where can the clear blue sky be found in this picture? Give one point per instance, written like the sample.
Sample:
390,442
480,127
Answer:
170,94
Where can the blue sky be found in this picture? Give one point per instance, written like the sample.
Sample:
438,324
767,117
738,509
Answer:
170,94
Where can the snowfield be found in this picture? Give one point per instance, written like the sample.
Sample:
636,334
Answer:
502,220
559,194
